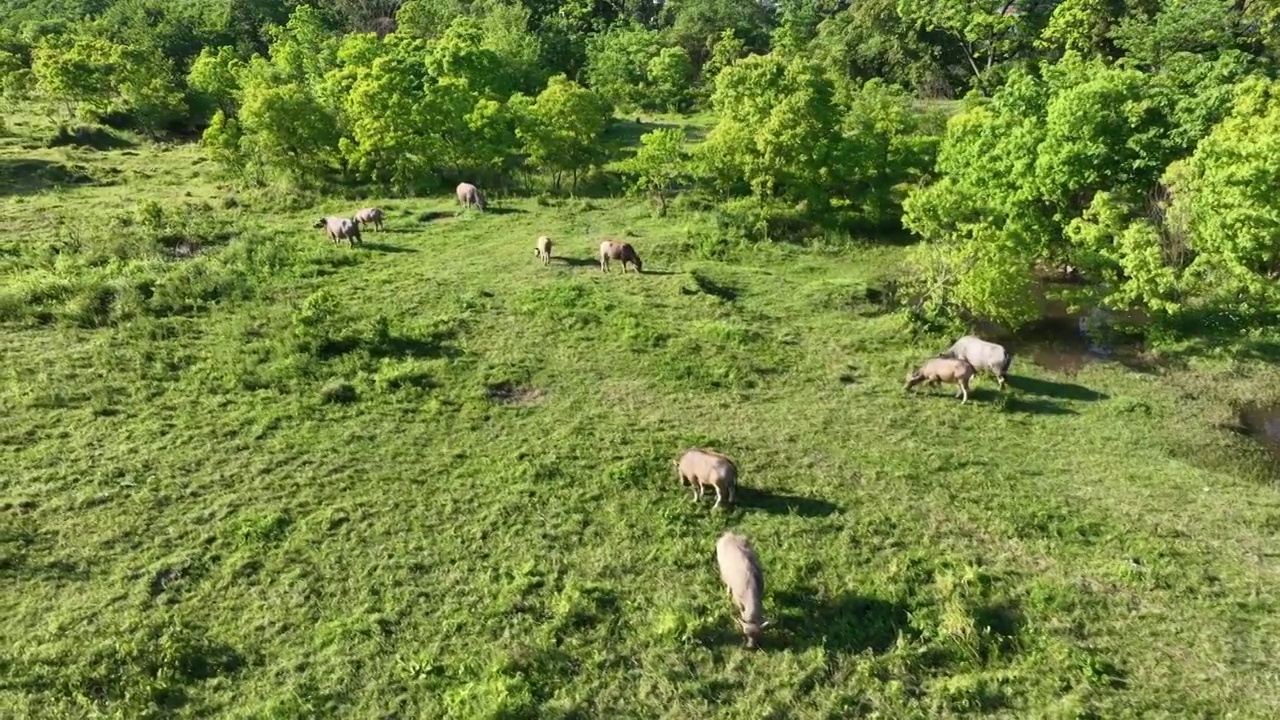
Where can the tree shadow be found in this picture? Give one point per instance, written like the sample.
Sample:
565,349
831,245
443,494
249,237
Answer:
385,248
848,623
435,215
1060,391
783,504
19,567
31,176
705,284
1036,406
89,137
434,345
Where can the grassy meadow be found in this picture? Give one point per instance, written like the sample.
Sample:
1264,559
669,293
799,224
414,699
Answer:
246,473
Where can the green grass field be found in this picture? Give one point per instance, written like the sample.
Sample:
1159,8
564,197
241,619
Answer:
428,477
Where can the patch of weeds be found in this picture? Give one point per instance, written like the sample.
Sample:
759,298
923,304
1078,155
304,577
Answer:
582,605
260,529
853,296
495,694
574,305
143,669
395,376
338,392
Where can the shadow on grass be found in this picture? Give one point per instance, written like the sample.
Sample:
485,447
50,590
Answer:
89,137
705,284
849,623
435,345
435,215
31,176
1057,390
1036,406
18,567
504,211
782,504
385,248
575,261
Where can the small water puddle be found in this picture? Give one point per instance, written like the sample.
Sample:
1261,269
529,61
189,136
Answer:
1261,421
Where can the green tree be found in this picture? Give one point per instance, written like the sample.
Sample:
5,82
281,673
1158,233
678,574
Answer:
891,146
1080,26
618,61
658,165
696,25
222,142
305,48
1225,197
16,80
285,127
725,51
561,130
428,18
145,84
461,54
669,75
870,39
778,132
1077,167
1149,37
985,32
75,73
215,77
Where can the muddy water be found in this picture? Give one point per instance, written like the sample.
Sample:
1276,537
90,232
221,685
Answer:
1058,341
1261,421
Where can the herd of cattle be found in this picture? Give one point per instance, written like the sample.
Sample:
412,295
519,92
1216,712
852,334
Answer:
702,468
341,228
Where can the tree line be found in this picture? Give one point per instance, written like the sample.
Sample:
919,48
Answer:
1133,141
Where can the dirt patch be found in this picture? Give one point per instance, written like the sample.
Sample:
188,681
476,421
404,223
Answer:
1261,421
512,394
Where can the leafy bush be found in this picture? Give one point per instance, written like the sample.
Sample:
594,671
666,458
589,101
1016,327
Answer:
1072,167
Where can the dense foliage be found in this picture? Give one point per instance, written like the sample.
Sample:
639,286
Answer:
1104,136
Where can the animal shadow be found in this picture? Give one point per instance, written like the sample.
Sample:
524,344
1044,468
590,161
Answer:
1036,406
724,632
385,248
504,211
1057,390
848,623
574,261
782,504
